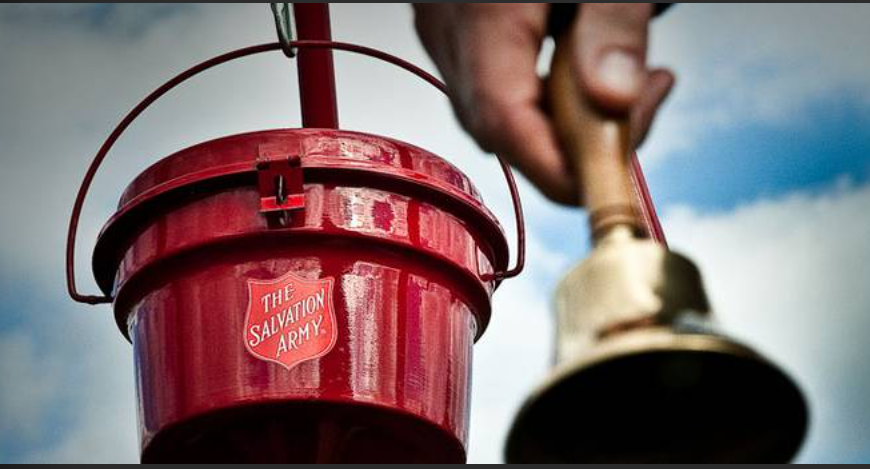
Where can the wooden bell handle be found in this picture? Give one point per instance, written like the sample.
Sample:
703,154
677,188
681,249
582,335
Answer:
599,146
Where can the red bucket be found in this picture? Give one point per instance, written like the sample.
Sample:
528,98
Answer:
301,295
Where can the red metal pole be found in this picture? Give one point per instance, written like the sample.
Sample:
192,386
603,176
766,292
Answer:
316,73
645,203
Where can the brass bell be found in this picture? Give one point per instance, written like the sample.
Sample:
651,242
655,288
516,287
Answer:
641,374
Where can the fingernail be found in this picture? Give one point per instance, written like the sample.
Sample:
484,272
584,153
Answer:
619,70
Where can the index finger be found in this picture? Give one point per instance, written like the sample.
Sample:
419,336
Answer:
500,95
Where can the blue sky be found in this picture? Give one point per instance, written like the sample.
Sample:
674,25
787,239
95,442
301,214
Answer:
759,164
751,160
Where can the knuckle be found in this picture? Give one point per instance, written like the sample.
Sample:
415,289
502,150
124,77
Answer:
484,125
480,112
485,121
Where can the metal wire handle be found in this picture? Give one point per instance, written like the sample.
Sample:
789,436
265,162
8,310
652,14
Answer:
227,57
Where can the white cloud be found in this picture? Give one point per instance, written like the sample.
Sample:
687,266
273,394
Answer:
68,85
66,391
37,379
515,353
787,275
753,64
62,89
790,276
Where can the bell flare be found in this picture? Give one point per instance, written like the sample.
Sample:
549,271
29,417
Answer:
661,396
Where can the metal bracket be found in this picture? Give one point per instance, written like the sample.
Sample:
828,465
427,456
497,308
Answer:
285,23
279,177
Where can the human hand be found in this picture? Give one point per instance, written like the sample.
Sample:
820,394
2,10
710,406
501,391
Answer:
488,54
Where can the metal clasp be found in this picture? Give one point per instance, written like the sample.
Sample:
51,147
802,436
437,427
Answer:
285,24
279,177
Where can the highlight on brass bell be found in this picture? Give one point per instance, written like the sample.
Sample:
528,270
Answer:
642,375
434,233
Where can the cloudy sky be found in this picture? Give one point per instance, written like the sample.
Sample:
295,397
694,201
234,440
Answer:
759,163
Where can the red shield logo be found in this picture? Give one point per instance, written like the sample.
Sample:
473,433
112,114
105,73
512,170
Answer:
290,319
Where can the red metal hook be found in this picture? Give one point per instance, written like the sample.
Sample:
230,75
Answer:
229,56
